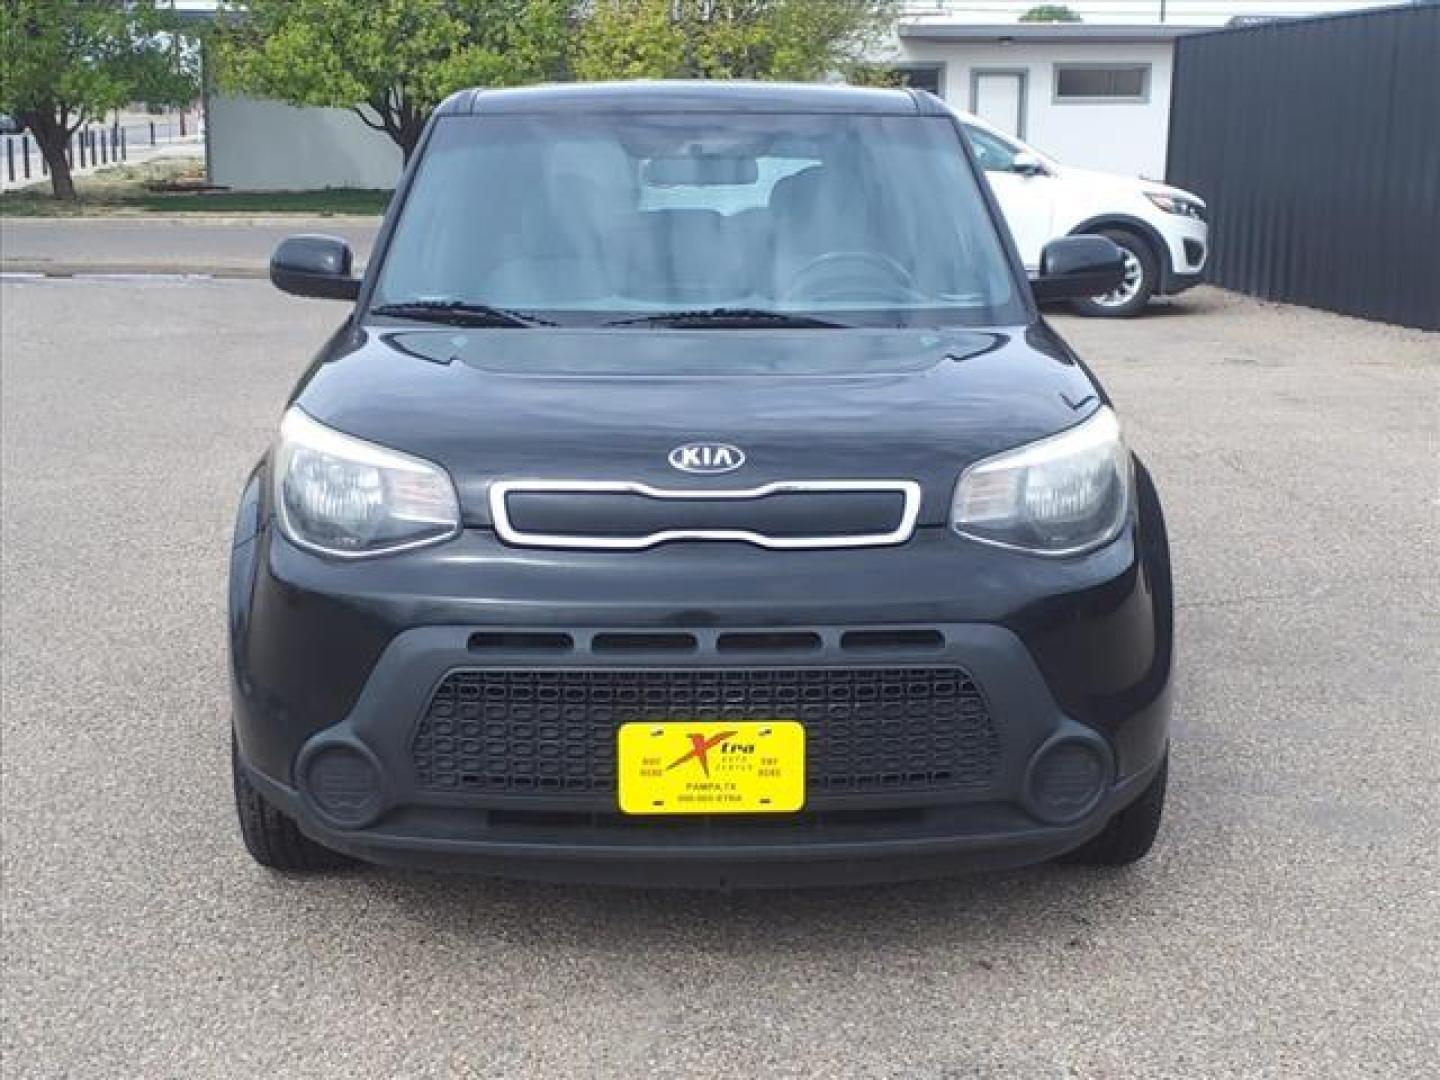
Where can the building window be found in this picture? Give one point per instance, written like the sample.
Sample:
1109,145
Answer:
922,77
1080,83
929,77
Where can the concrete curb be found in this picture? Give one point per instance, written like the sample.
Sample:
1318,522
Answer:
33,268
196,217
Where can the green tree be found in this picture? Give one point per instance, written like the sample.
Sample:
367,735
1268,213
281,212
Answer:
64,63
1050,13
392,61
629,39
727,39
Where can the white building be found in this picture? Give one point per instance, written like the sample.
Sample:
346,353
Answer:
1092,95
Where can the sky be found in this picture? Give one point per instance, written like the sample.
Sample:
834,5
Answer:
1183,12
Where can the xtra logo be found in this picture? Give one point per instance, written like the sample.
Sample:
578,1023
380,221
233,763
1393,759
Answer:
700,747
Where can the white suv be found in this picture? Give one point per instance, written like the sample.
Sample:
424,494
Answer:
1161,229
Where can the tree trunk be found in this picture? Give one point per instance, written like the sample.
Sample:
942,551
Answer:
394,115
408,137
52,137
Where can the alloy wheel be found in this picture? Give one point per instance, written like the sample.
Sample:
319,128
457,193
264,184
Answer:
1129,286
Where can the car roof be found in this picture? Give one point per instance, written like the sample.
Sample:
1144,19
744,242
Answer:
690,96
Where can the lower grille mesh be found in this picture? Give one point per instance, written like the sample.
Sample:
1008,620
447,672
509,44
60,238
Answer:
554,731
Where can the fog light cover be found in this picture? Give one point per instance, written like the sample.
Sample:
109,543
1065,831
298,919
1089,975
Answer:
344,785
1067,780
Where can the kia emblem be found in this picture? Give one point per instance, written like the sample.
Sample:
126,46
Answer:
704,457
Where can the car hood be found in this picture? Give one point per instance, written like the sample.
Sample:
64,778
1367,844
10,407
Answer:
1114,183
580,404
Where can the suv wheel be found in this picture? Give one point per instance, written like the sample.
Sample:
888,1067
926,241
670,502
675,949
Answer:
1142,276
272,838
1131,833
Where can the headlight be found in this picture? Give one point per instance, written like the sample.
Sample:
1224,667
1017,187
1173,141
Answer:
339,495
1060,496
1176,204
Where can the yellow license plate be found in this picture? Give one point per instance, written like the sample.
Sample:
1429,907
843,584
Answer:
744,767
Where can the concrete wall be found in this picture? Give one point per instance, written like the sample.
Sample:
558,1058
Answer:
258,145
1114,136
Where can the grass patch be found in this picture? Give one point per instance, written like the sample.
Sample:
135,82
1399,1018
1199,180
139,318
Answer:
137,190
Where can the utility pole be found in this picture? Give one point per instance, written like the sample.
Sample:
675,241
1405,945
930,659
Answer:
1162,10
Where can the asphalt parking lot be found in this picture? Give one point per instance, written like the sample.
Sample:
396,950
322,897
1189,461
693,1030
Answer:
1285,926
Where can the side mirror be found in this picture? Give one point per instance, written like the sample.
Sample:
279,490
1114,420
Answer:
310,265
1027,164
1075,267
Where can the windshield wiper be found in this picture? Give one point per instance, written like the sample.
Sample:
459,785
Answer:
458,313
726,316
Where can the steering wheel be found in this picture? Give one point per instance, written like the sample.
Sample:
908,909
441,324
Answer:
851,275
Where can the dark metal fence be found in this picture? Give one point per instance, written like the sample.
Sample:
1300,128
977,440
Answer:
90,146
1317,145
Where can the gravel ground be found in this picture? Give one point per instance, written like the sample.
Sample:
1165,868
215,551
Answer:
1285,925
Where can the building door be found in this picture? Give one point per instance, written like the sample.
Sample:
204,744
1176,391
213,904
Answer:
998,98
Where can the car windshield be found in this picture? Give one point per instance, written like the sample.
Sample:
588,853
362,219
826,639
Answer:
738,219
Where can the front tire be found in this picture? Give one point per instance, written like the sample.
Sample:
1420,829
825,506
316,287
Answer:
1142,278
1131,833
272,838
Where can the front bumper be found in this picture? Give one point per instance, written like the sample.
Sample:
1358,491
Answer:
814,849
346,657
1187,249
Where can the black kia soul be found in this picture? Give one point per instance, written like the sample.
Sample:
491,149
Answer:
695,496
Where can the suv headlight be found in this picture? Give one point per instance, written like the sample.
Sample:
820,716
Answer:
1064,495
342,496
1177,204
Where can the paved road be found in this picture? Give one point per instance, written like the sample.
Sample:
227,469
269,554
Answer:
229,246
1286,925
